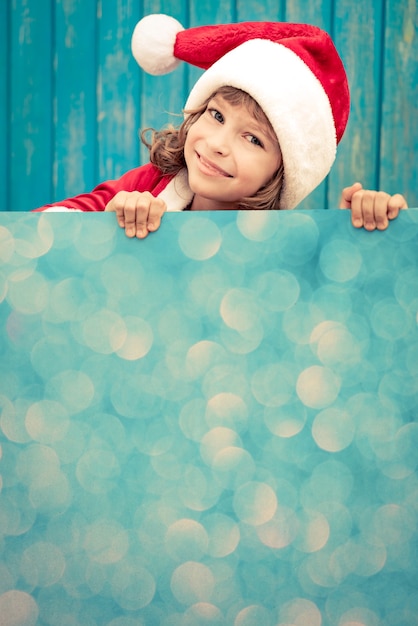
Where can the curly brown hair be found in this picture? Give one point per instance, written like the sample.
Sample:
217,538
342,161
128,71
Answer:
166,147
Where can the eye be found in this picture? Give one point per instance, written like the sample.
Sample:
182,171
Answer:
255,141
216,115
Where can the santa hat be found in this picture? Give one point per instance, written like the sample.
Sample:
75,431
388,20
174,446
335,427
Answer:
293,71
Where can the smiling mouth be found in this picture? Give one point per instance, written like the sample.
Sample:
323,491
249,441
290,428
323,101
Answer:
209,168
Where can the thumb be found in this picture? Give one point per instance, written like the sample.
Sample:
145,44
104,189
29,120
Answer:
347,194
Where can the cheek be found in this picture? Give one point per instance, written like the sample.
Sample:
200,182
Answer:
271,167
188,146
259,169
191,137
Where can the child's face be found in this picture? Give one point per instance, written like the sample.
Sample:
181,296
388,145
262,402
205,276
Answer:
229,156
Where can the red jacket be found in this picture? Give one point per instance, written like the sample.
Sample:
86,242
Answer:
174,190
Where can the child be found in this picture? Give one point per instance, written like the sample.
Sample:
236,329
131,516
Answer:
261,127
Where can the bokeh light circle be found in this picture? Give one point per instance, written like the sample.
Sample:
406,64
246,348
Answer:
104,331
239,309
340,260
277,290
223,533
29,295
138,341
133,586
255,503
317,386
333,429
47,421
273,385
200,238
42,565
192,582
257,225
18,608
186,540
254,615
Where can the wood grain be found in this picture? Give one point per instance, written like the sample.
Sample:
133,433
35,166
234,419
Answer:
72,99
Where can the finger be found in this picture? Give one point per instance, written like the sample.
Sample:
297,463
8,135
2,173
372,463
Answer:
347,195
367,207
381,202
356,209
120,215
117,204
110,206
114,205
387,208
143,204
129,215
396,203
157,210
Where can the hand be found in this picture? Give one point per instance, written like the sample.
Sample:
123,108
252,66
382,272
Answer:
371,209
138,213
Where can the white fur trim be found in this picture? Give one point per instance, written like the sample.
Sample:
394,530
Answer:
177,195
301,117
153,42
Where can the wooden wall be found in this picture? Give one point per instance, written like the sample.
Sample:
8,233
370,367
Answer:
72,98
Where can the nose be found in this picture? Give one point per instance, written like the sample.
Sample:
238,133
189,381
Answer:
219,141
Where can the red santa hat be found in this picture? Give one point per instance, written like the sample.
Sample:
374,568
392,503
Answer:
293,71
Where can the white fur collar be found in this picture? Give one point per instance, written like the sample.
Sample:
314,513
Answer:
177,195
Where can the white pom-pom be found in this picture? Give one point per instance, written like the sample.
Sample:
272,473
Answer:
153,42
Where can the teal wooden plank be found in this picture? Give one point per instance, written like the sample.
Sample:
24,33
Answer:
4,104
318,13
64,132
208,12
31,103
163,97
118,89
357,34
271,10
75,99
399,131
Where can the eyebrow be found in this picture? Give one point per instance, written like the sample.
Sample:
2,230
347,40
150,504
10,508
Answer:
213,100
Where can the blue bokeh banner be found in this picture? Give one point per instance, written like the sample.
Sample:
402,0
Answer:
217,425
